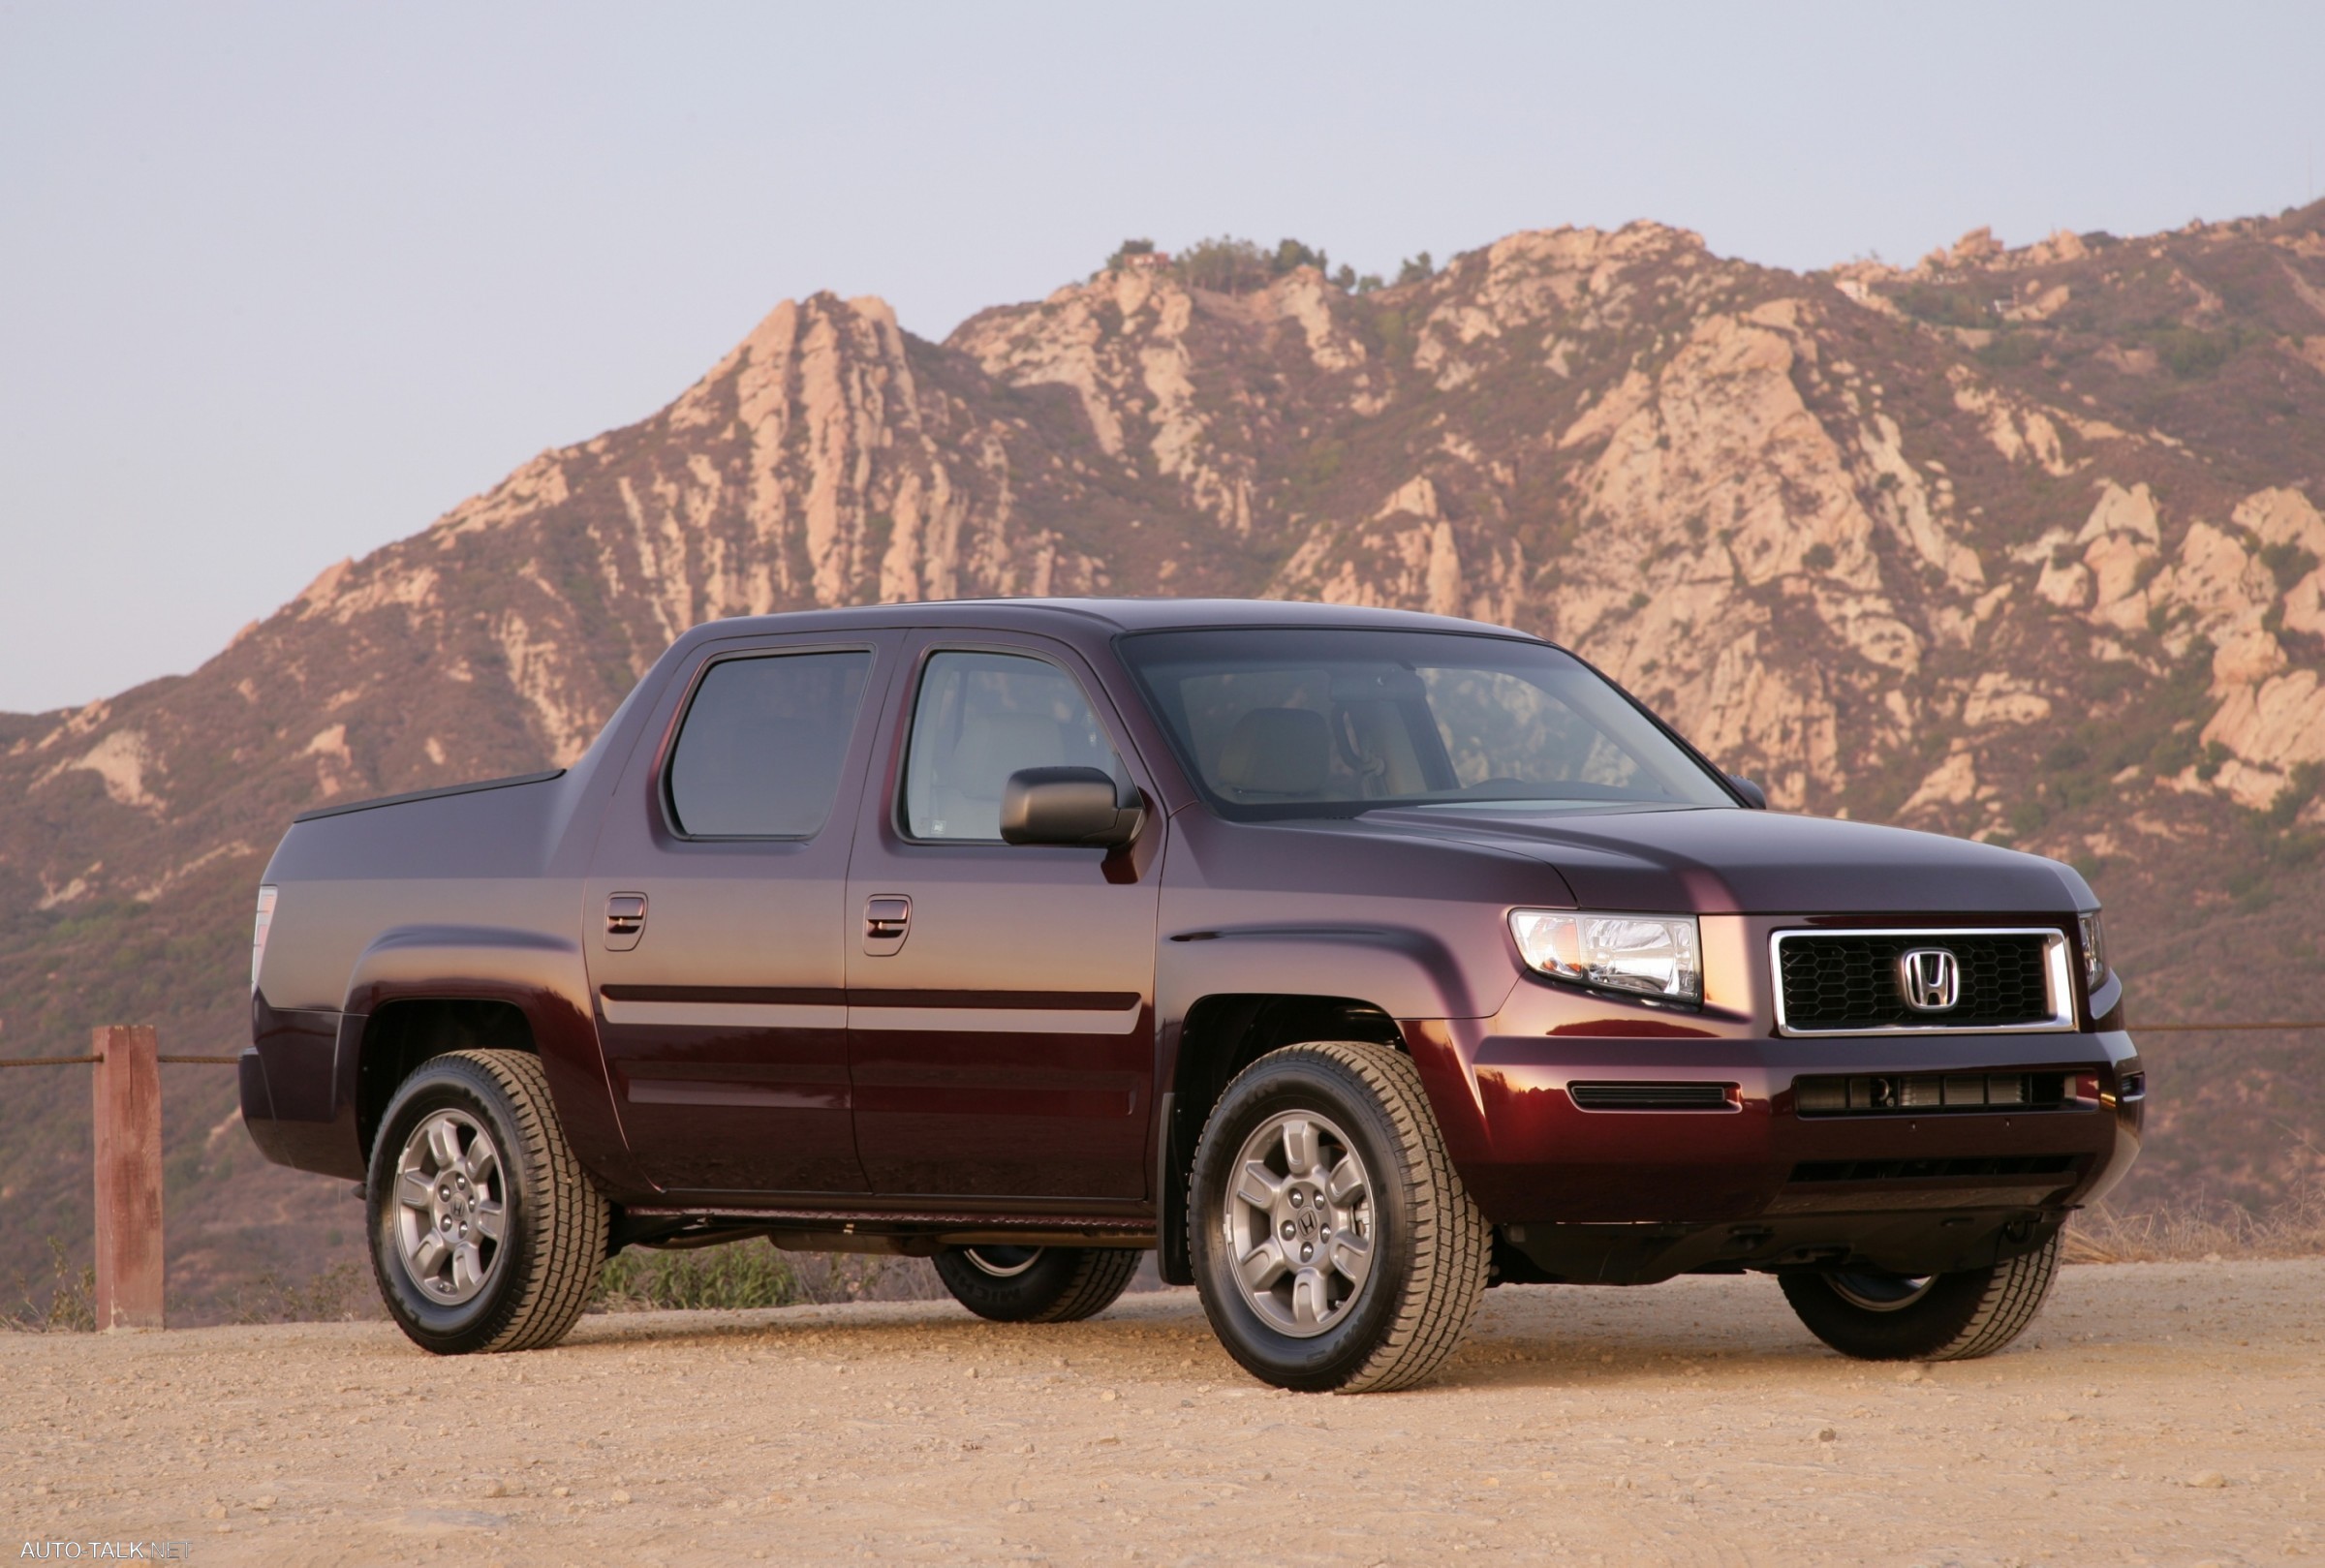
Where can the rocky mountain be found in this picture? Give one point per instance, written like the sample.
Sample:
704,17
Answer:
2019,543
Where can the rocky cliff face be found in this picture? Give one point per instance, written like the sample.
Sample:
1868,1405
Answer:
2017,543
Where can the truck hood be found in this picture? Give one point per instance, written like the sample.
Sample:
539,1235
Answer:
1713,861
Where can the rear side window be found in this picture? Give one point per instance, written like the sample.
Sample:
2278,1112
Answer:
979,717
759,753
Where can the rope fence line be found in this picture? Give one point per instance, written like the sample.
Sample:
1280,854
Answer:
2208,1028
75,1062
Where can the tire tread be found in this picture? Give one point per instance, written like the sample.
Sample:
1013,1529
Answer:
2014,1295
1451,1241
1100,1277
565,1218
1968,1314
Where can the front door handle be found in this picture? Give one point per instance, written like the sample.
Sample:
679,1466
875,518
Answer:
887,918
625,921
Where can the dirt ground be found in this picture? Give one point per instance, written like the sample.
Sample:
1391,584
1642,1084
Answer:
2165,1413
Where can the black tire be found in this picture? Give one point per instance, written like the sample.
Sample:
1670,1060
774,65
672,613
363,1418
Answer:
1037,1284
1428,1245
1955,1317
537,1274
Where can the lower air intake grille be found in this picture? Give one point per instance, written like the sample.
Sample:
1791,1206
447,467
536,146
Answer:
1929,1094
1654,1096
1907,1170
1844,982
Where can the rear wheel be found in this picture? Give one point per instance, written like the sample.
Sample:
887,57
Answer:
1960,1316
1037,1284
485,1232
1332,1243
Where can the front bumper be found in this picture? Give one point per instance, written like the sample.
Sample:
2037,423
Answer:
1756,1182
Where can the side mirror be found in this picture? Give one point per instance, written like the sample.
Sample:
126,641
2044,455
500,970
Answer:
1073,806
1753,795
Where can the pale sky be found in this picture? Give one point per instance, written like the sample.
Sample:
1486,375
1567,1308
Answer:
281,284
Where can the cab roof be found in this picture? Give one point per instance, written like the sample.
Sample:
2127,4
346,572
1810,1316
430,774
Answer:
1105,615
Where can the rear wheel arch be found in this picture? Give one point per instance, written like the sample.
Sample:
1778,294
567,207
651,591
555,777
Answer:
1222,1036
401,1035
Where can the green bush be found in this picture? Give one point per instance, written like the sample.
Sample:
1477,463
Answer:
2011,350
1225,265
1290,253
1127,249
2192,354
1228,266
755,1272
739,1275
1944,307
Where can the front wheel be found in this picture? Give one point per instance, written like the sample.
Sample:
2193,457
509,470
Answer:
485,1232
1958,1316
1037,1284
1333,1245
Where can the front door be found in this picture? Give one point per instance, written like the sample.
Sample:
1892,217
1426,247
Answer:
1001,996
713,917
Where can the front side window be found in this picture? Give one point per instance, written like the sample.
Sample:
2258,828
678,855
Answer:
1293,723
758,756
979,717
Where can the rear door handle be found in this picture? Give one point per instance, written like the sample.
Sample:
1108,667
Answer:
625,921
887,918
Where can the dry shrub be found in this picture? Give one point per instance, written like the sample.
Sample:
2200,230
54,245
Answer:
343,1293
72,1303
2196,1230
755,1273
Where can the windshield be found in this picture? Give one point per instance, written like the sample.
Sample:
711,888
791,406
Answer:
1310,722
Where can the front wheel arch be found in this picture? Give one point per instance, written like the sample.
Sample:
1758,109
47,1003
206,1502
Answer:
1222,1036
1426,1242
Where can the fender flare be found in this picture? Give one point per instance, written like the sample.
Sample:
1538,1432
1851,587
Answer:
541,974
1405,973
1411,975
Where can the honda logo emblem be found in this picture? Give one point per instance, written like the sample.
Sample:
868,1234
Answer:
1931,978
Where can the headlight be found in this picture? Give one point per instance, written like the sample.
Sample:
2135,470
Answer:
2095,949
1646,955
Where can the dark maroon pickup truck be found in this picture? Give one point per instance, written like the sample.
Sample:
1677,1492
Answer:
1351,961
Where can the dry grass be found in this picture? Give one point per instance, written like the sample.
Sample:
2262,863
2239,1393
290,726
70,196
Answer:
343,1293
2195,1230
755,1272
70,1304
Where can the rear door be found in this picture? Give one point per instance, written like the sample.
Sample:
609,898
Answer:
713,917
1000,1019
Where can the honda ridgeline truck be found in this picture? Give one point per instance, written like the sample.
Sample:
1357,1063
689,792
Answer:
1352,962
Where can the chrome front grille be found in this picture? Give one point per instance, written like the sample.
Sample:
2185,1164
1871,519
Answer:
1856,982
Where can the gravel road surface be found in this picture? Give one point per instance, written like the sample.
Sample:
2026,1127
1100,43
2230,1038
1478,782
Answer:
2166,1413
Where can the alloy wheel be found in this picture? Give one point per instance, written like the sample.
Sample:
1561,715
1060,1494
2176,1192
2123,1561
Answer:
1001,1262
450,1206
1299,1223
1880,1292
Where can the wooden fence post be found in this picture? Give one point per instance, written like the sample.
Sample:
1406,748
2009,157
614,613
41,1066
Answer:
127,1085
